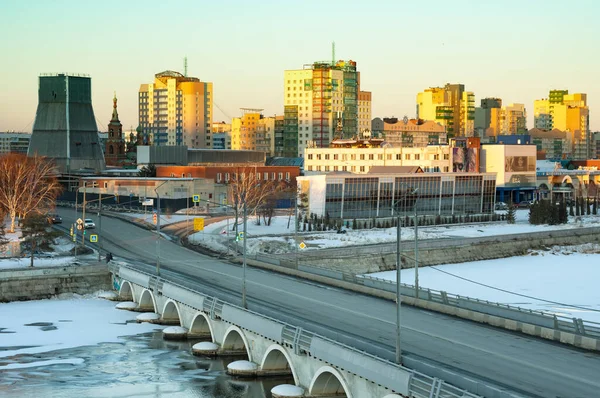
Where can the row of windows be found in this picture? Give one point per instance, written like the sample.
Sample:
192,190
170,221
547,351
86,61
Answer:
259,176
363,169
371,156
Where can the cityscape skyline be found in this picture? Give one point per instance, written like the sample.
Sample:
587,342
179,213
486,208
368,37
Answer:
246,61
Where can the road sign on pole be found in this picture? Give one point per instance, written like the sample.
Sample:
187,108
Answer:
79,227
154,218
196,198
94,238
302,245
79,221
198,224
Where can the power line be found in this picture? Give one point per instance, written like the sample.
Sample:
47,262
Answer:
514,293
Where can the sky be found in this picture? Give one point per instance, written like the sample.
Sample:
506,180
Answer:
515,50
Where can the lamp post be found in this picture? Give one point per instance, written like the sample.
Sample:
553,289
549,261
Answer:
158,228
398,277
244,264
416,249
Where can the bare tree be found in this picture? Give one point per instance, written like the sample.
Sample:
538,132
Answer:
247,186
26,184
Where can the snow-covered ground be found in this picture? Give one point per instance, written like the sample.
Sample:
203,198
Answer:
32,327
60,256
279,236
563,275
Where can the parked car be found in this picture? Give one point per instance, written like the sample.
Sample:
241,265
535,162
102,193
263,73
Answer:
525,204
501,206
88,223
54,218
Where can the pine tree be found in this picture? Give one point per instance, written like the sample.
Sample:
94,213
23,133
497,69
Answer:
354,224
571,212
595,207
510,215
588,206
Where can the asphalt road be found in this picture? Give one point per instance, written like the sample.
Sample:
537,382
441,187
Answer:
516,362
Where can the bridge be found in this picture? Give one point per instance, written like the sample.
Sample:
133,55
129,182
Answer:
474,357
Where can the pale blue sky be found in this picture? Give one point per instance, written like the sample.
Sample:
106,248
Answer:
513,49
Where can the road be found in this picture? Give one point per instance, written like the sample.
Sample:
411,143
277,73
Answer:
519,363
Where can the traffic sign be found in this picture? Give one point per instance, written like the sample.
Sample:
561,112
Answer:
79,227
198,224
71,232
79,221
196,198
302,245
154,218
93,238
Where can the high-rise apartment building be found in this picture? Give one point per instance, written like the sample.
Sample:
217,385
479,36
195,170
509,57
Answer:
364,109
570,113
320,104
221,135
508,120
253,132
483,115
176,110
12,142
451,106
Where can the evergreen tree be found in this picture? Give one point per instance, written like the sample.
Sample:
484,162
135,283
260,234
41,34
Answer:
571,212
588,206
37,233
354,224
577,208
511,213
595,207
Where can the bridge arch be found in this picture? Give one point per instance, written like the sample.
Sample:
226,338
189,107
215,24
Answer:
170,312
201,326
329,381
147,300
277,358
236,340
126,290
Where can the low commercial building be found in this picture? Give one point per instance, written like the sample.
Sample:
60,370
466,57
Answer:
379,194
551,144
14,142
222,174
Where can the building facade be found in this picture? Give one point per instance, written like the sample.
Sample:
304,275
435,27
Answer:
515,170
364,109
359,156
483,115
570,113
320,104
176,110
451,106
551,144
114,152
413,133
14,142
508,120
253,132
349,196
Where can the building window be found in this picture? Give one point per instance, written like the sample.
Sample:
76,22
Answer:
389,156
353,157
309,168
362,169
257,176
446,169
326,168
318,156
436,157
362,156
106,185
335,168
326,156
273,176
344,157
353,169
287,176
226,177
335,156
219,177
407,156
310,156
344,168
417,156
266,175
398,156
318,168
371,156
380,156
280,175
446,156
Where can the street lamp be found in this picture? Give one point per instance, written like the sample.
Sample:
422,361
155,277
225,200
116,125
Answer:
158,228
398,276
416,247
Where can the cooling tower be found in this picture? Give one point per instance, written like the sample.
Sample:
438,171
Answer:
65,127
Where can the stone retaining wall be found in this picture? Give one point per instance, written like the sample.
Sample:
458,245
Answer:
44,282
502,248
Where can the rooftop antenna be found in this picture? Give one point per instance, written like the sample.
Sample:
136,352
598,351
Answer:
332,53
185,66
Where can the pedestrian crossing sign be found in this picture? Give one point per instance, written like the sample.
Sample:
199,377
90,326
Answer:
196,198
94,238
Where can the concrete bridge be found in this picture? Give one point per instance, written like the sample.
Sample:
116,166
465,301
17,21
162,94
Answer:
320,366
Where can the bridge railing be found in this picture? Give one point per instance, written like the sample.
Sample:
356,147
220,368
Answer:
302,341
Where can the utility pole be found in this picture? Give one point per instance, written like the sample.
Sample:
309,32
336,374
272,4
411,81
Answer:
100,223
157,234
416,252
398,295
83,216
244,265
296,228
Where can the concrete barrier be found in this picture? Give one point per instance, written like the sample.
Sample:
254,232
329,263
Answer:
39,283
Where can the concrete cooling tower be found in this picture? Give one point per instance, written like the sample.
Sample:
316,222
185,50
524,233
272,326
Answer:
65,127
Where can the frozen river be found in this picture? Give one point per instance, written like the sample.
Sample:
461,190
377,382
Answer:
134,365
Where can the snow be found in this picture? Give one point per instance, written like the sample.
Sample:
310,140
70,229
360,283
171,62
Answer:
24,262
278,238
147,316
242,366
205,346
37,364
126,305
79,321
288,390
562,274
175,330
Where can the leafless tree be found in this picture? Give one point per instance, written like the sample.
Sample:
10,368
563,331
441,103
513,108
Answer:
26,184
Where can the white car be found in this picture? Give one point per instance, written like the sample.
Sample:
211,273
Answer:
88,223
501,206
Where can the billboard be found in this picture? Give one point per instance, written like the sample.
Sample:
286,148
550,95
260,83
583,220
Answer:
465,160
517,164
